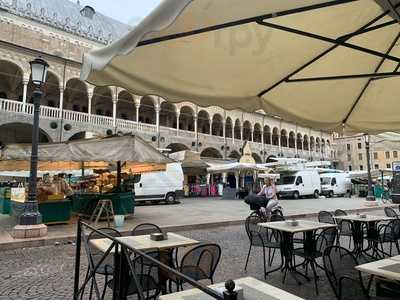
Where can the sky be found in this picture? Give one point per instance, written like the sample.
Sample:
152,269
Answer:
126,11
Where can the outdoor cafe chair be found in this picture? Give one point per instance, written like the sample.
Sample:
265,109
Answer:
146,228
326,238
147,274
387,233
261,237
390,212
345,281
344,227
106,268
199,263
326,217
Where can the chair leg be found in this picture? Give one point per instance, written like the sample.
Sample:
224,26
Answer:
86,276
104,288
272,258
247,259
265,265
391,248
269,257
91,289
397,247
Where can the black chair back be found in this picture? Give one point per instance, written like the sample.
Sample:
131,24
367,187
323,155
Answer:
339,265
201,261
277,218
325,239
326,217
146,228
254,232
390,212
340,212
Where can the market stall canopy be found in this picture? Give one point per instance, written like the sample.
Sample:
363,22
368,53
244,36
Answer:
189,159
325,64
374,174
237,167
127,148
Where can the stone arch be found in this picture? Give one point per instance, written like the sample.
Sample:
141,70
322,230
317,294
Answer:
82,135
217,125
238,130
176,147
211,153
299,141
102,101
284,138
186,118
275,136
126,106
292,140
51,91
247,131
306,144
228,127
203,122
11,80
234,155
257,133
168,114
147,112
267,135
323,145
257,158
317,144
76,95
15,133
312,143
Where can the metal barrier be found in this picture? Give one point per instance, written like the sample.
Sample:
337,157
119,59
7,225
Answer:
122,253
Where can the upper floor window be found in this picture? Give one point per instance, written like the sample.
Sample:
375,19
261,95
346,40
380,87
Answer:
387,154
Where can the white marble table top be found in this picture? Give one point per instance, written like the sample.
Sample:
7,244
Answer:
368,218
268,291
143,242
302,227
387,268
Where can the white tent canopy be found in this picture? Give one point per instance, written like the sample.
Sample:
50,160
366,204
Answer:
236,167
325,64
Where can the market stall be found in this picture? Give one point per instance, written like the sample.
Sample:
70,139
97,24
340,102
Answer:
121,157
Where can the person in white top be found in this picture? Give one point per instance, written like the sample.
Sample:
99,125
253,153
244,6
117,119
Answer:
269,191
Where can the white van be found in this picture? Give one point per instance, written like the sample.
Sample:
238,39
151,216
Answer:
298,184
160,186
335,184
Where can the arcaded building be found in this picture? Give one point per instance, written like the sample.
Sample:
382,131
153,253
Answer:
61,31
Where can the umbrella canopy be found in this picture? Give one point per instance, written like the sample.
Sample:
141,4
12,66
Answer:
111,149
326,64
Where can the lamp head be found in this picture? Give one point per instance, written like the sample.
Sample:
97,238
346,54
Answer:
39,69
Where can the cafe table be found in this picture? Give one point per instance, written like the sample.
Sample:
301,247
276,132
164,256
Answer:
253,289
287,232
387,268
358,233
144,243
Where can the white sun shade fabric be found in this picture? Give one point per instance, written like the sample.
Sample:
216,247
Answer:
248,55
111,149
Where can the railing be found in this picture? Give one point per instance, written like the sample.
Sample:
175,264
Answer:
74,116
123,265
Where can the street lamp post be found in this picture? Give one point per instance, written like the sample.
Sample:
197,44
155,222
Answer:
370,196
31,214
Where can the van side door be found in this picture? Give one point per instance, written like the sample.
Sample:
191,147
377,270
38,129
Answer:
300,185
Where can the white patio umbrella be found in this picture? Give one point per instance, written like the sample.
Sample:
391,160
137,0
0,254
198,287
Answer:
325,64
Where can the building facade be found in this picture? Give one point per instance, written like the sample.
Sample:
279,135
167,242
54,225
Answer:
350,153
61,31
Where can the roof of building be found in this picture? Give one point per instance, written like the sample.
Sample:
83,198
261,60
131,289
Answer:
66,15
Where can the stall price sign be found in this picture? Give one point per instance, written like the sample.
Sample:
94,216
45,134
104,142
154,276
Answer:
18,194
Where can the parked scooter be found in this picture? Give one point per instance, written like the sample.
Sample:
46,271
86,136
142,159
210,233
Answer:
258,205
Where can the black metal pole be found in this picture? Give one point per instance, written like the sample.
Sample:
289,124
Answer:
77,259
119,174
31,214
370,196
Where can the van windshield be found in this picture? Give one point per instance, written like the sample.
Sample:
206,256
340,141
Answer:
326,180
286,180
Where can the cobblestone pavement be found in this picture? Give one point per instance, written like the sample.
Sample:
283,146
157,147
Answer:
47,272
